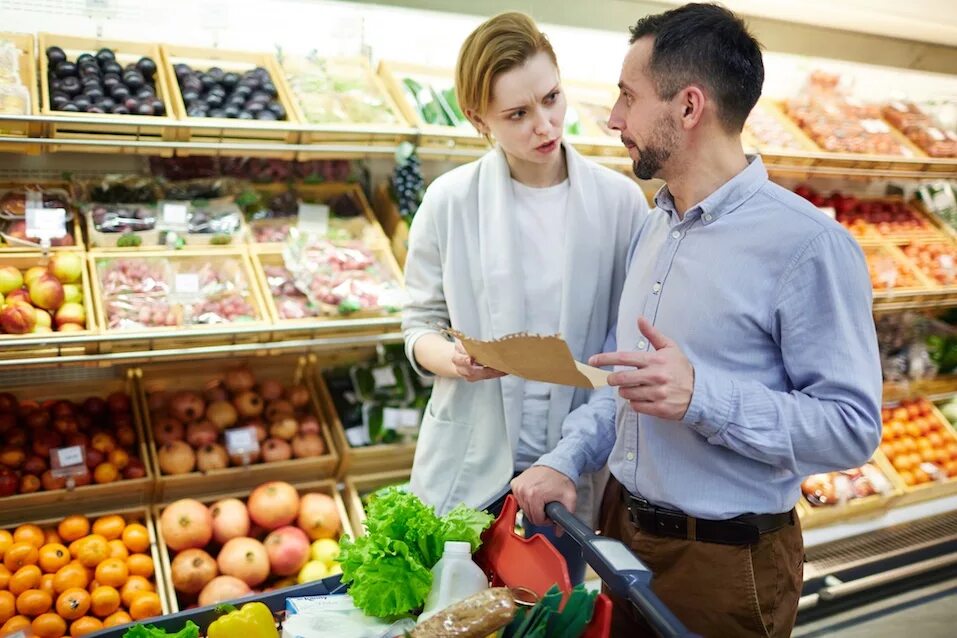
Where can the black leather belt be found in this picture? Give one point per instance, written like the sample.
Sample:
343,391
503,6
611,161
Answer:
741,530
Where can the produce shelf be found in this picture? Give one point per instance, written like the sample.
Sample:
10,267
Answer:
26,45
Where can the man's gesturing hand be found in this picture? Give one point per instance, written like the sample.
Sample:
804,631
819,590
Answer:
539,485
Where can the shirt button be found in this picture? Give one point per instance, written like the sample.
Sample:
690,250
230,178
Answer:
642,344
656,288
630,456
707,217
676,234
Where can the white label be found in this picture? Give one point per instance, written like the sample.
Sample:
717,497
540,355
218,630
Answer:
384,377
358,436
70,456
175,214
314,218
400,418
242,441
186,283
947,262
936,134
68,461
875,126
46,223
888,278
828,210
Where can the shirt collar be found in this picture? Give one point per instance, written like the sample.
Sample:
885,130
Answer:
726,199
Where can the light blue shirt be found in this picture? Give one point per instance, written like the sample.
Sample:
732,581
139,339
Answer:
770,300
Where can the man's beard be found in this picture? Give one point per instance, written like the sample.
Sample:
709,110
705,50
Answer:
658,151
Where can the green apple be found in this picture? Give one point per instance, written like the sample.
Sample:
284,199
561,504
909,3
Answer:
312,571
325,550
72,293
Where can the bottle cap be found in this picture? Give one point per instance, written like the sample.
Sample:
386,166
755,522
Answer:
458,547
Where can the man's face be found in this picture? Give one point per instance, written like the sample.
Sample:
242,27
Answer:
648,127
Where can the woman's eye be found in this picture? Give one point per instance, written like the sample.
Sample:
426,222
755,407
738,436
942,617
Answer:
551,97
517,115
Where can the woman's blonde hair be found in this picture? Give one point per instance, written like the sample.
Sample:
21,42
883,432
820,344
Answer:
499,44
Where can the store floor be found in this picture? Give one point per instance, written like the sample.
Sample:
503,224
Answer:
929,612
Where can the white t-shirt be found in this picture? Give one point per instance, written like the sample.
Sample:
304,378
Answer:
540,215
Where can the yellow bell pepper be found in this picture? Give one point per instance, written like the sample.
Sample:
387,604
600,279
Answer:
254,620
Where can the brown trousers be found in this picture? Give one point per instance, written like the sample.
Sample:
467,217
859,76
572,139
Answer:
716,590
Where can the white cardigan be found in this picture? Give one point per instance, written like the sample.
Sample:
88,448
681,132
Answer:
461,271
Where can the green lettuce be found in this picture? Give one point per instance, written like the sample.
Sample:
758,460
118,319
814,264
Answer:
190,630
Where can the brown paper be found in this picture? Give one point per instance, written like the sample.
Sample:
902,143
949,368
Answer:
534,357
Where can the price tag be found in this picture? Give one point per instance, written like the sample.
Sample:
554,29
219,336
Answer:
401,419
186,283
242,441
384,377
174,216
936,134
358,436
68,461
828,210
947,262
313,218
46,223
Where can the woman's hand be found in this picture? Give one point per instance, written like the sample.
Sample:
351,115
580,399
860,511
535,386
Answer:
466,367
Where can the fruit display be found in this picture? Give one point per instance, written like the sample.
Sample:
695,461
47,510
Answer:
408,185
769,131
76,576
121,225
100,83
918,443
272,215
31,433
866,217
936,260
839,123
44,297
14,95
888,272
254,169
290,302
13,207
337,91
218,550
921,129
837,488
148,292
247,95
343,279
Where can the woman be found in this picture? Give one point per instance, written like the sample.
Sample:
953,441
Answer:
529,238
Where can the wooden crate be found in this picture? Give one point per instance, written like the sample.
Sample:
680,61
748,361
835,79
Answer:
866,507
231,130
359,133
932,232
322,193
91,126
106,242
141,515
395,227
357,485
73,226
141,338
327,487
356,460
196,375
431,136
9,342
26,44
80,500
933,489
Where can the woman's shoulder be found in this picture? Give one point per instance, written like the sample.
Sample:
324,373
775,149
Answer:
455,184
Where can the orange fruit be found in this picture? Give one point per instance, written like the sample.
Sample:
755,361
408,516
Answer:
20,554
73,528
136,538
145,605
92,550
69,577
106,473
4,577
53,557
50,536
32,534
109,527
118,549
104,601
27,577
112,572
46,584
49,625
140,565
6,540
74,546
73,603
14,624
133,586
84,626
34,602
117,618
8,606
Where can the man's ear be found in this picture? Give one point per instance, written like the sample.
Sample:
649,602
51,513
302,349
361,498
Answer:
693,101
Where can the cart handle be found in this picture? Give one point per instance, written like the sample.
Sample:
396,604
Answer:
624,574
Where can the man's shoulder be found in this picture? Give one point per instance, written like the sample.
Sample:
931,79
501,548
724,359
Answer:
793,216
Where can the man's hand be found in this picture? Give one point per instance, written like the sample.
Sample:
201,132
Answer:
466,367
661,383
539,485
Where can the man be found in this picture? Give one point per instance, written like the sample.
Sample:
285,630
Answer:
747,352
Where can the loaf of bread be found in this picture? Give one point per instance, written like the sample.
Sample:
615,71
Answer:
475,617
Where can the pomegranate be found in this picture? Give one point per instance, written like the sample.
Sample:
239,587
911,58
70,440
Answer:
192,569
277,409
274,504
177,458
285,428
309,425
298,395
222,414
201,433
187,406
185,524
246,559
239,379
288,550
167,430
270,389
319,516
211,457
222,589
118,403
276,450
230,519
307,445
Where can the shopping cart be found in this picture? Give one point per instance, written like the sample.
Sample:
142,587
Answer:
509,560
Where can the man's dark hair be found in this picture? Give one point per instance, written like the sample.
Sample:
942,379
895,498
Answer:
709,45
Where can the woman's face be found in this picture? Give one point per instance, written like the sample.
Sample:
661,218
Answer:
526,115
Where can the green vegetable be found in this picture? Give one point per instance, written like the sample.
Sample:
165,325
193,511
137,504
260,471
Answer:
129,240
190,630
389,567
545,619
